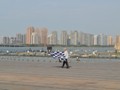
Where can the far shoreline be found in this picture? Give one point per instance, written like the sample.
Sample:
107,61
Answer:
11,45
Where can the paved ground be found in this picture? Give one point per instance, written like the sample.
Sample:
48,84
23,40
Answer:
48,75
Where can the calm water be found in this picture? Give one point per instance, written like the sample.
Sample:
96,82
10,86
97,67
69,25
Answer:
50,59
77,49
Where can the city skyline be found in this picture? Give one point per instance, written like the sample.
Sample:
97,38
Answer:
89,16
40,36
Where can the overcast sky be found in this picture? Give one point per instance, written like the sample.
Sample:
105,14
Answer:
90,16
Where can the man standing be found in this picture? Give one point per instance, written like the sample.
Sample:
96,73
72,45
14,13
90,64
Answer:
65,61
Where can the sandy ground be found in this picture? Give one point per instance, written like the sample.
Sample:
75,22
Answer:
34,75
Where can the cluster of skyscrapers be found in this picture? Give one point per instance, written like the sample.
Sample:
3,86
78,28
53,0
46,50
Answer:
40,36
18,39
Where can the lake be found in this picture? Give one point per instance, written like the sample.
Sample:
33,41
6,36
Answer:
77,49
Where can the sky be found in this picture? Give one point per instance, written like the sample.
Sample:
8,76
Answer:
90,16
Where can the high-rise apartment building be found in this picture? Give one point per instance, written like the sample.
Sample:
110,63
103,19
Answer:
41,36
24,39
102,39
105,40
13,40
95,40
1,40
35,38
85,39
82,38
54,38
38,32
49,39
117,42
74,38
6,40
30,30
43,32
64,38
71,37
109,40
117,39
69,40
90,39
20,38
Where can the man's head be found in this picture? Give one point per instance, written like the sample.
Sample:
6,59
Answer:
65,49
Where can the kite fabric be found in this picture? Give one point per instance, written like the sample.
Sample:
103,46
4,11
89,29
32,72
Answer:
58,55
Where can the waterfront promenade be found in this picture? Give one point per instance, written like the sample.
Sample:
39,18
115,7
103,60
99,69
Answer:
19,74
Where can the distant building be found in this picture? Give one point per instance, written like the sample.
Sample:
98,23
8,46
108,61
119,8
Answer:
80,38
49,39
95,40
20,38
90,39
117,43
83,38
86,39
1,40
43,36
69,40
64,38
53,38
37,30
6,40
35,38
29,32
24,39
74,38
102,39
13,40
105,40
109,40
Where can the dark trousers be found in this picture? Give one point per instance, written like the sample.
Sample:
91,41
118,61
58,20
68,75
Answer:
65,62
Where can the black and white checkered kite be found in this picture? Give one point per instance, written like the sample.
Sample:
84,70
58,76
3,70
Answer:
58,55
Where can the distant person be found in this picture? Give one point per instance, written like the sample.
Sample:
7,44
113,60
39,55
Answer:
65,61
78,59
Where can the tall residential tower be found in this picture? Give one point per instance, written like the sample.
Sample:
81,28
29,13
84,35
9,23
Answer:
29,32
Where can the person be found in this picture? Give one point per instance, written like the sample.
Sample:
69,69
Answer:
78,59
65,61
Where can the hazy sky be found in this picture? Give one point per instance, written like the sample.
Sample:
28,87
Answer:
92,16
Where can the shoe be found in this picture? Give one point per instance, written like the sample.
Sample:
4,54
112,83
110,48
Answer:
67,67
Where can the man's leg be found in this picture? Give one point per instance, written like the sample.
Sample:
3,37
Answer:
67,65
63,63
